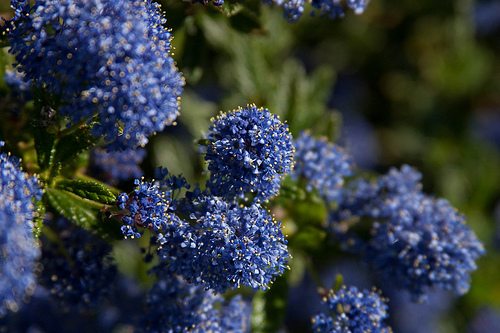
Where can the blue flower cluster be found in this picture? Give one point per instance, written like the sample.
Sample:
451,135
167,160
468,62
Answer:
294,9
208,237
337,8
116,166
249,151
20,87
77,276
176,306
18,247
221,245
417,242
322,165
352,310
110,58
150,206
234,246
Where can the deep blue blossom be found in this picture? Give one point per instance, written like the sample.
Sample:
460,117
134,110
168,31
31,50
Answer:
110,58
424,243
338,8
18,247
20,87
176,306
292,9
350,310
206,2
249,151
323,165
77,267
150,206
117,166
417,242
235,246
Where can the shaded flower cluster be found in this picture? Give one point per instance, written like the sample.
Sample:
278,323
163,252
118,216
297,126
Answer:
234,246
20,87
352,310
294,9
176,306
338,8
116,166
323,165
110,58
249,151
77,266
220,245
417,242
150,206
18,247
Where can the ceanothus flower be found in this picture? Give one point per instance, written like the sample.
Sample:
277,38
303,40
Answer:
115,166
235,246
350,310
249,150
19,86
418,242
337,8
18,246
423,243
78,268
323,165
292,9
151,206
173,305
206,2
106,58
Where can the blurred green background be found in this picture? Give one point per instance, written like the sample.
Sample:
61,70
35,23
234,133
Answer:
413,82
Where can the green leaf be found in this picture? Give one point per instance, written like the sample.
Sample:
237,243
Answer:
308,239
88,190
38,220
45,147
73,144
83,212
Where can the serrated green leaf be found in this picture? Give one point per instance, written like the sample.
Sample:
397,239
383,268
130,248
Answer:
83,212
88,190
45,147
38,220
70,146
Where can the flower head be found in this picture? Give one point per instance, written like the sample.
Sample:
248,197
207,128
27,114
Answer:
106,58
323,165
18,247
79,273
235,246
352,310
150,206
249,151
176,306
337,8
418,242
116,166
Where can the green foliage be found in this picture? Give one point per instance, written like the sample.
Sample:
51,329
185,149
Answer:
88,190
83,212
